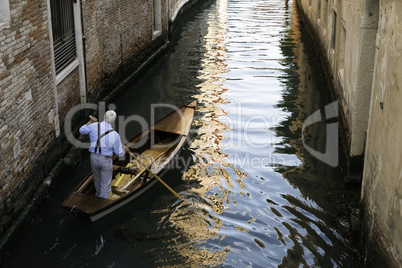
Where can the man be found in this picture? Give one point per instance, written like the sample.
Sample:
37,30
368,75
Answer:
104,142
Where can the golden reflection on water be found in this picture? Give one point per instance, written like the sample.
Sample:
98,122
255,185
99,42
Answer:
210,170
211,166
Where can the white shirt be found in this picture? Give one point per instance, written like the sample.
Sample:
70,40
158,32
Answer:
109,143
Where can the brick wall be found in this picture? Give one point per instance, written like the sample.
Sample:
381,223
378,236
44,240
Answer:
26,98
68,93
118,39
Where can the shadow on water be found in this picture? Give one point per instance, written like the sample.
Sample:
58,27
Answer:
253,195
304,92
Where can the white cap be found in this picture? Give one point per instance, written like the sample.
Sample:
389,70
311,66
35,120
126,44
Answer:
110,116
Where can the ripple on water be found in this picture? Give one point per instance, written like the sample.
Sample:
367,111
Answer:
252,197
251,214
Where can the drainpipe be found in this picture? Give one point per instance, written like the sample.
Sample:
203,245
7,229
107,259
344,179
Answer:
168,19
53,114
80,50
83,47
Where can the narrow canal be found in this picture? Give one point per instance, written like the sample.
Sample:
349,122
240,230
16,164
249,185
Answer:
254,197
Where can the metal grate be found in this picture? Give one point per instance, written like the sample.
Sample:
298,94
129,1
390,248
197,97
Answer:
63,33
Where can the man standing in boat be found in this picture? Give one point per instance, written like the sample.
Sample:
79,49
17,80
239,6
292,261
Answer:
104,143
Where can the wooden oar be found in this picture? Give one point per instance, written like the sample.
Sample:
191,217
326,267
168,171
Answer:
156,176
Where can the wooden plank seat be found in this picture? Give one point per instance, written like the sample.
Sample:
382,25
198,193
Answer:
125,170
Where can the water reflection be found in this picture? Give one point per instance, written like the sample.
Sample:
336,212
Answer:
194,217
253,197
243,208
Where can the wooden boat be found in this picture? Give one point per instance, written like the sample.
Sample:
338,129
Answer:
155,148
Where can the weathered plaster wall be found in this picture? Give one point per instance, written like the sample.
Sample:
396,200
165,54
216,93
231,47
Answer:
364,54
347,36
382,178
179,7
174,7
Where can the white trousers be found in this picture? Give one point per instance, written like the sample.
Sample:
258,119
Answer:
102,170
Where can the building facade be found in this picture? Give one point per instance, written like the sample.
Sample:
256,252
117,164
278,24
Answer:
361,43
56,54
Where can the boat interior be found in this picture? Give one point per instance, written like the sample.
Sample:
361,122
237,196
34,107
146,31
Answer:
150,150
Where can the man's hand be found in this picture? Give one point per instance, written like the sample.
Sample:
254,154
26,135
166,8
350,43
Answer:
125,148
91,120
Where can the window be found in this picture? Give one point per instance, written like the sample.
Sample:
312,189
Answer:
342,45
333,41
63,33
319,9
157,26
4,11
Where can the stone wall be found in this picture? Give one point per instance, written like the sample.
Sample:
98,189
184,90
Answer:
118,38
174,8
362,41
347,32
382,178
179,7
26,98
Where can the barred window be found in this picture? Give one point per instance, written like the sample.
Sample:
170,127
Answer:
63,33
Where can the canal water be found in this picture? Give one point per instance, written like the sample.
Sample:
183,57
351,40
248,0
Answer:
253,195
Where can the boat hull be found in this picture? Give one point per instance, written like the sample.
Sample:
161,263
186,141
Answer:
97,216
83,203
